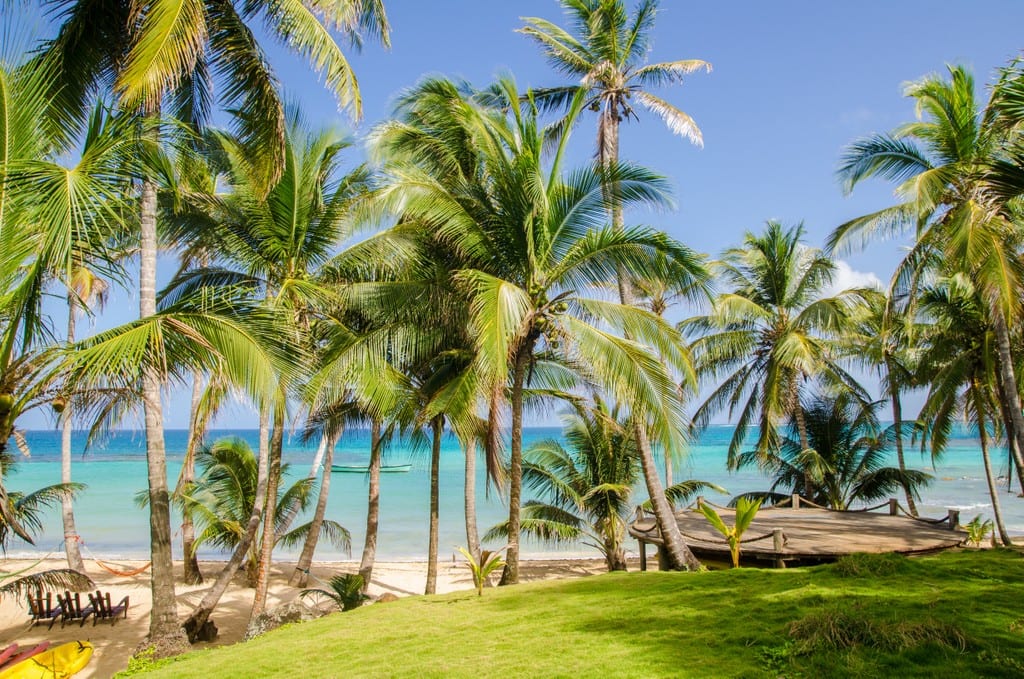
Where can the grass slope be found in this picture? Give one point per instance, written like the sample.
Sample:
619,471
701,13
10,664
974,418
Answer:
952,615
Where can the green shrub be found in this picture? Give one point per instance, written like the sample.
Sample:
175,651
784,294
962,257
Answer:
863,565
848,628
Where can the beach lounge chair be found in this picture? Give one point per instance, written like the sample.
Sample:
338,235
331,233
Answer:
71,609
41,608
104,611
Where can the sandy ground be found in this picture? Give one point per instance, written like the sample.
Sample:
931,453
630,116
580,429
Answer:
114,643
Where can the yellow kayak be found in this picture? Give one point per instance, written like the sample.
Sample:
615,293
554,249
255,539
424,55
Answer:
57,663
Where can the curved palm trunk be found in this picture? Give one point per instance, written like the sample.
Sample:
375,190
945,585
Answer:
472,533
301,575
810,489
259,600
437,429
510,574
1012,440
71,549
198,618
164,630
372,508
1008,386
897,421
993,489
675,555
197,431
314,469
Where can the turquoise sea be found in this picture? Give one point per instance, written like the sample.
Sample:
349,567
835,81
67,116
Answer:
112,526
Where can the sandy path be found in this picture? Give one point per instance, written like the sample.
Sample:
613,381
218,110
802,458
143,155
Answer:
114,643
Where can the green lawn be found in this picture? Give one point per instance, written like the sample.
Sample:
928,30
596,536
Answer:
952,615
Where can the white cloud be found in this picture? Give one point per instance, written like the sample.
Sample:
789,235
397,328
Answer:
846,277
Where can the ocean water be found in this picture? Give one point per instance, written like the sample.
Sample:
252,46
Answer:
112,526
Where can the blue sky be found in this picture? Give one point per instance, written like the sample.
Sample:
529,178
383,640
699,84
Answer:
792,83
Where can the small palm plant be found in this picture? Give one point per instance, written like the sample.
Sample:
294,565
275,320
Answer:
483,567
746,510
978,530
346,590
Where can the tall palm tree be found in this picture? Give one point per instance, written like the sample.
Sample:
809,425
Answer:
845,460
606,50
881,337
958,364
768,334
529,260
584,488
52,217
270,243
156,54
944,165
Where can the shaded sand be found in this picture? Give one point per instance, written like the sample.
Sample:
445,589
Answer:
114,643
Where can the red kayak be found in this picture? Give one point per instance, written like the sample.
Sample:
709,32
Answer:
7,654
35,650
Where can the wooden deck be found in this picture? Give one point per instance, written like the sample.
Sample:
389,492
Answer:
808,534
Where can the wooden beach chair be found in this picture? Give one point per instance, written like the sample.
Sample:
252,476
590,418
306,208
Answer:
71,609
41,609
104,610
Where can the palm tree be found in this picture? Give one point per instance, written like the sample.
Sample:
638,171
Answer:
270,243
50,215
224,494
769,334
951,169
529,260
845,460
881,337
584,488
958,363
606,51
152,55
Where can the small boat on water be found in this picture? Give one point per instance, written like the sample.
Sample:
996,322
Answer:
363,469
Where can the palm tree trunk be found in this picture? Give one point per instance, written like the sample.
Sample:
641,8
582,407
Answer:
372,507
197,431
164,629
897,422
71,549
1012,441
193,625
263,566
195,622
1008,386
301,575
472,533
993,489
675,554
314,469
510,573
805,442
437,429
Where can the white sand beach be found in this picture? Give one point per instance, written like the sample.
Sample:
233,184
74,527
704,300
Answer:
114,644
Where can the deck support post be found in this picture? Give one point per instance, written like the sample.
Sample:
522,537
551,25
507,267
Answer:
778,542
953,516
643,554
894,506
796,501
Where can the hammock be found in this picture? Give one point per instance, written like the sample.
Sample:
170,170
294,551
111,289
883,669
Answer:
107,566
124,574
